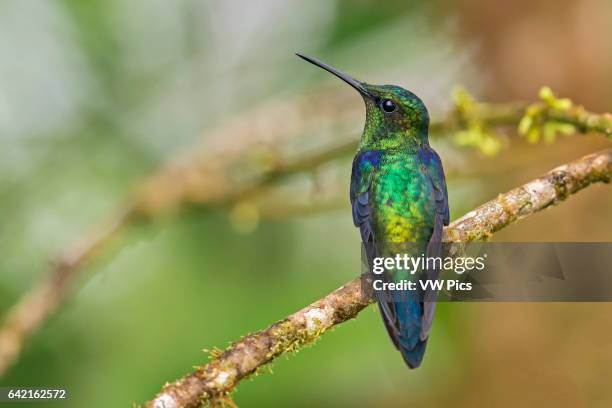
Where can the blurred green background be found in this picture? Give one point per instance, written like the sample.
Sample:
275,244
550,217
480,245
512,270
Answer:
96,95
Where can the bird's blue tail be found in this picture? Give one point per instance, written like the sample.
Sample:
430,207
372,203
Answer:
411,345
413,356
403,320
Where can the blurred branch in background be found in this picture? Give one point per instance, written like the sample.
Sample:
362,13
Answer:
242,359
258,156
256,151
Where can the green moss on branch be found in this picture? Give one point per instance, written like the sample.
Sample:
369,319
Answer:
219,377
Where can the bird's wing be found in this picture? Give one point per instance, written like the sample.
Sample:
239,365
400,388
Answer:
364,166
435,174
364,169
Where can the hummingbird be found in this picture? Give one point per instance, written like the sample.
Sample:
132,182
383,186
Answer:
398,196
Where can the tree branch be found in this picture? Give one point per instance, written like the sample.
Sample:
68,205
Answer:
229,175
219,377
36,305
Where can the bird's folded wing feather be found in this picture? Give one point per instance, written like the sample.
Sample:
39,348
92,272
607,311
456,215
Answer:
435,175
364,168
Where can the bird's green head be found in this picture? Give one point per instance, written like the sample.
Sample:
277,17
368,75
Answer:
395,117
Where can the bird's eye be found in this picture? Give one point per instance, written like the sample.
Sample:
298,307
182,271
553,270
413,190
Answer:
388,105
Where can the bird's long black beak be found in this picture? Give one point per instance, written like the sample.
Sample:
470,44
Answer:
346,78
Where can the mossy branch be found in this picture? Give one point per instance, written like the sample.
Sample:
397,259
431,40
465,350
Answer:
216,379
